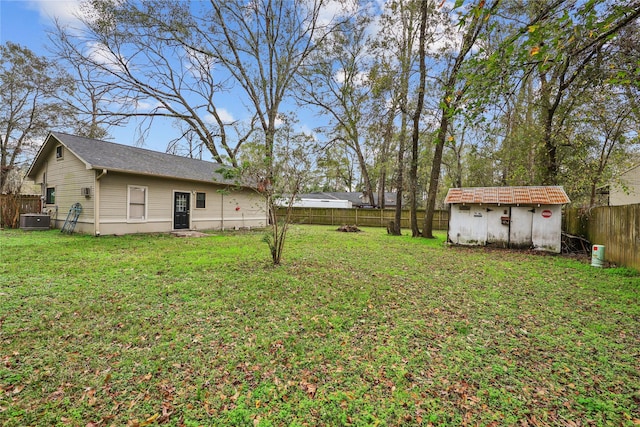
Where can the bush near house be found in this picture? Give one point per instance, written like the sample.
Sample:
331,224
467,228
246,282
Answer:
352,329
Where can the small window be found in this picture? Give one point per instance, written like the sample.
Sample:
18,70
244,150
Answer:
201,199
50,196
137,203
59,152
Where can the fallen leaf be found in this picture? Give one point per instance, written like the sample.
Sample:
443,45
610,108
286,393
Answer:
149,420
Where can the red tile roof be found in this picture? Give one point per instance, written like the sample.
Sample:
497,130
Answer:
508,195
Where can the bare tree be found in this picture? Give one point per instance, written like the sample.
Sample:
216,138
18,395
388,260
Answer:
182,55
264,45
336,81
30,91
146,60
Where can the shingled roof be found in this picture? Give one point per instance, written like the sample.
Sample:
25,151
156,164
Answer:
543,195
98,154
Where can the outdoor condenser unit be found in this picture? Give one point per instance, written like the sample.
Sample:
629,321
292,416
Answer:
34,221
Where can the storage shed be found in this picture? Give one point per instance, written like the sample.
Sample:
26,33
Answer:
507,217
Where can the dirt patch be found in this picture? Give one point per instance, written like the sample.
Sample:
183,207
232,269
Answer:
349,229
188,233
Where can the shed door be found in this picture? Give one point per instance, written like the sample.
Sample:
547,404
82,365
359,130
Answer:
498,218
181,203
520,235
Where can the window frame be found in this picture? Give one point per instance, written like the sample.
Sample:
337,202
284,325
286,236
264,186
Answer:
59,152
50,195
145,204
204,200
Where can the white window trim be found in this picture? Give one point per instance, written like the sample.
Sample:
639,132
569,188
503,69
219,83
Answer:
146,203
61,147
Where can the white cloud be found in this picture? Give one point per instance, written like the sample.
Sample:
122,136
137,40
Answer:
333,10
224,114
147,105
66,11
101,54
360,79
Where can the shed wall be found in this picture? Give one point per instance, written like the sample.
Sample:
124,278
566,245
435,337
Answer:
547,230
525,226
468,226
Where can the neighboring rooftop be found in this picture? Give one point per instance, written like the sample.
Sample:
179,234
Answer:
98,154
355,197
543,195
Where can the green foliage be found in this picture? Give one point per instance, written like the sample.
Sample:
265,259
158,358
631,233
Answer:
354,329
32,92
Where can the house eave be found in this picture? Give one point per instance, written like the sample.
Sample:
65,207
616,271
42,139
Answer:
155,175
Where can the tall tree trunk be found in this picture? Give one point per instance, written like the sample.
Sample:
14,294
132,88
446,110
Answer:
415,137
384,154
427,230
397,228
452,98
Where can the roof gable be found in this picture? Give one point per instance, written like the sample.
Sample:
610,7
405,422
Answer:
543,195
98,154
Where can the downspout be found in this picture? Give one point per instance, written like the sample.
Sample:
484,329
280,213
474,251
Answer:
96,203
222,211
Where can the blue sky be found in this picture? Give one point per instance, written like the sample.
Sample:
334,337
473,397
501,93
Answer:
26,22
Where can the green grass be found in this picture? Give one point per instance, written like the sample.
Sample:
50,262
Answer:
353,329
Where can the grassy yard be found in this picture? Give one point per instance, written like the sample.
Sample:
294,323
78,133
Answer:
353,329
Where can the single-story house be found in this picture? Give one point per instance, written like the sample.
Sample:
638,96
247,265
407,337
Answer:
626,189
124,189
356,199
508,217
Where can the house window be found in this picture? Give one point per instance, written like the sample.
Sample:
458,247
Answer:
201,199
50,197
137,203
59,152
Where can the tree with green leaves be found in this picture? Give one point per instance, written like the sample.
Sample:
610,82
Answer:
475,18
555,46
32,93
392,78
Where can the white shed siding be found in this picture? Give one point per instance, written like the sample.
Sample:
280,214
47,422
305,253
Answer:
497,232
520,227
547,228
468,226
536,227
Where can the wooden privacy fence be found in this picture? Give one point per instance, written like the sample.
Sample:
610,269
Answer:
361,217
615,227
12,205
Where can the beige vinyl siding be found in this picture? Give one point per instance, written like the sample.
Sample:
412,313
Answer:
220,209
630,193
114,188
68,175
